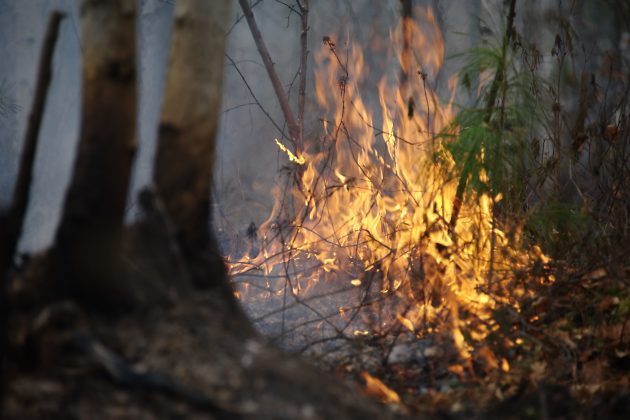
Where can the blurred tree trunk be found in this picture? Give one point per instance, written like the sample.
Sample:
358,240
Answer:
186,139
90,232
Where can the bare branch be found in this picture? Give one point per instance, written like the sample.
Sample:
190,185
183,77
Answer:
294,129
303,57
253,95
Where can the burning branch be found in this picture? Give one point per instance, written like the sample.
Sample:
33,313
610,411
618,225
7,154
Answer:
253,95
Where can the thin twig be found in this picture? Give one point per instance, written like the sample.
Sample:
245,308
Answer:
253,95
239,18
303,61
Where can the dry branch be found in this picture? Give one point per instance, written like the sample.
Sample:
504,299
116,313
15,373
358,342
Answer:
303,60
294,129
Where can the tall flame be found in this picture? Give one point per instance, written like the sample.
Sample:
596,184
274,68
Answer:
371,206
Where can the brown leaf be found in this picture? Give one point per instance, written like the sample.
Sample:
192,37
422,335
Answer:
610,132
488,357
608,302
377,389
595,274
565,339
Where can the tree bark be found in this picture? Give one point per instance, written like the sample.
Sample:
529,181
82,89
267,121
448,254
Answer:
89,235
186,138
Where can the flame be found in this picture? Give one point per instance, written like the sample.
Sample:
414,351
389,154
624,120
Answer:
373,203
292,157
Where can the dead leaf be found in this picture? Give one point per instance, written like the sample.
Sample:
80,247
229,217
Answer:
595,274
621,353
377,389
619,333
405,323
538,370
564,337
608,302
593,372
610,132
488,357
457,370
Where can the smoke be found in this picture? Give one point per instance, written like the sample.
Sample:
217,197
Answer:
248,158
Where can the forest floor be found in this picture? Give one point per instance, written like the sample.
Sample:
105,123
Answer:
184,360
195,355
572,360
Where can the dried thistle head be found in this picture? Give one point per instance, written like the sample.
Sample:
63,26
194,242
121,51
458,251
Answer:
326,40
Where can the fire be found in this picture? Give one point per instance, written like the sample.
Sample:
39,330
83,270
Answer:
369,214
292,157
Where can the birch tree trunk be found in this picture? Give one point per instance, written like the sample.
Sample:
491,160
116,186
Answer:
186,138
91,225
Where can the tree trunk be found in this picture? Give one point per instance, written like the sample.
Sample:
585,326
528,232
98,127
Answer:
90,231
196,356
186,138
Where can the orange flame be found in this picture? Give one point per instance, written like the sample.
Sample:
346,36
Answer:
372,203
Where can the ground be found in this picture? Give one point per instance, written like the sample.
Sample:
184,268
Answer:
187,353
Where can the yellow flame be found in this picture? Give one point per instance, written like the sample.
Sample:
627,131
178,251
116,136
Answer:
292,157
375,196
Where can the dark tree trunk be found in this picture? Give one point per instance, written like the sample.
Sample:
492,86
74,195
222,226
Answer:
90,231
